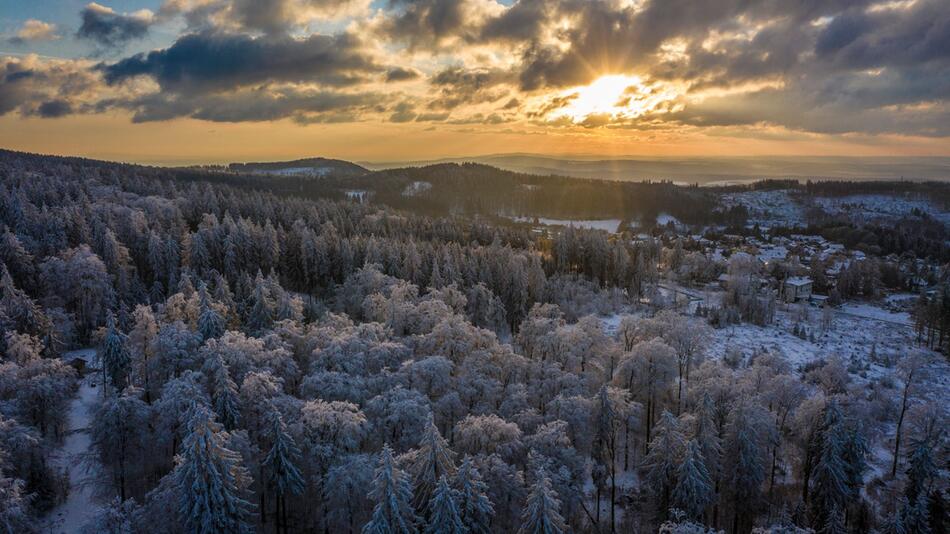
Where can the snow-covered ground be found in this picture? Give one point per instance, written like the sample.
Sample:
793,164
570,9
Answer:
870,207
416,188
767,208
664,219
779,207
71,456
855,329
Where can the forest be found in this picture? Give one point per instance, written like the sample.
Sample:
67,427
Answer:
295,362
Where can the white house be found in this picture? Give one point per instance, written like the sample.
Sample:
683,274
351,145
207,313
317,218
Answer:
797,288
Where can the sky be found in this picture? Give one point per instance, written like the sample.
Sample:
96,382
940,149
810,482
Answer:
211,81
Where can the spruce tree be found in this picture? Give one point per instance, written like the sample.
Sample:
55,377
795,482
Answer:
432,460
210,322
224,393
210,479
444,517
260,317
920,471
475,508
917,515
834,523
392,492
830,479
115,356
542,511
693,491
281,464
663,459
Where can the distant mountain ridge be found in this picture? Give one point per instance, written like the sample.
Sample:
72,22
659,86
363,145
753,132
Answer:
302,167
708,170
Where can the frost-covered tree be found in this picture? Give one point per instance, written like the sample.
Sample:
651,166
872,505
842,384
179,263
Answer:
607,419
744,453
542,511
14,502
830,489
211,324
116,517
114,356
444,516
344,492
663,460
260,315
694,490
834,523
475,508
120,434
392,493
211,479
224,392
429,463
917,515
647,372
281,465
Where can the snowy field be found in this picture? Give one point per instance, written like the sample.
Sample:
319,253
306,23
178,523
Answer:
854,330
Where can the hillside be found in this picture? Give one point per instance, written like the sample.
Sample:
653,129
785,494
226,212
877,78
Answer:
302,167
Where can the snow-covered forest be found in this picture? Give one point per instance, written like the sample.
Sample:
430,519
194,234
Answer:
269,363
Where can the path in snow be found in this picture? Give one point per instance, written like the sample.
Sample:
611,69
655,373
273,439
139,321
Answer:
69,516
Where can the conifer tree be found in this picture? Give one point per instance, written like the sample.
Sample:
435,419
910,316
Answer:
917,515
542,511
210,479
895,524
281,464
115,357
829,481
210,322
475,508
834,523
693,491
260,317
663,460
432,460
392,492
444,511
224,393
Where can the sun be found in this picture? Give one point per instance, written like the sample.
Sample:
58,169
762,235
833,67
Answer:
607,95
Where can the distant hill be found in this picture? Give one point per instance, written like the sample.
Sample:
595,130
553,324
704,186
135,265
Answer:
317,167
710,170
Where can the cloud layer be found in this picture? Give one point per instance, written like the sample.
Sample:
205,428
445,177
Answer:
814,66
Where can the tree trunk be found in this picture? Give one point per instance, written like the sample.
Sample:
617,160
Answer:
900,424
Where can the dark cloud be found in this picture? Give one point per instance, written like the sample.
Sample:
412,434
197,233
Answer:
429,23
400,74
268,16
207,62
43,88
458,86
254,106
54,108
403,112
107,28
896,38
